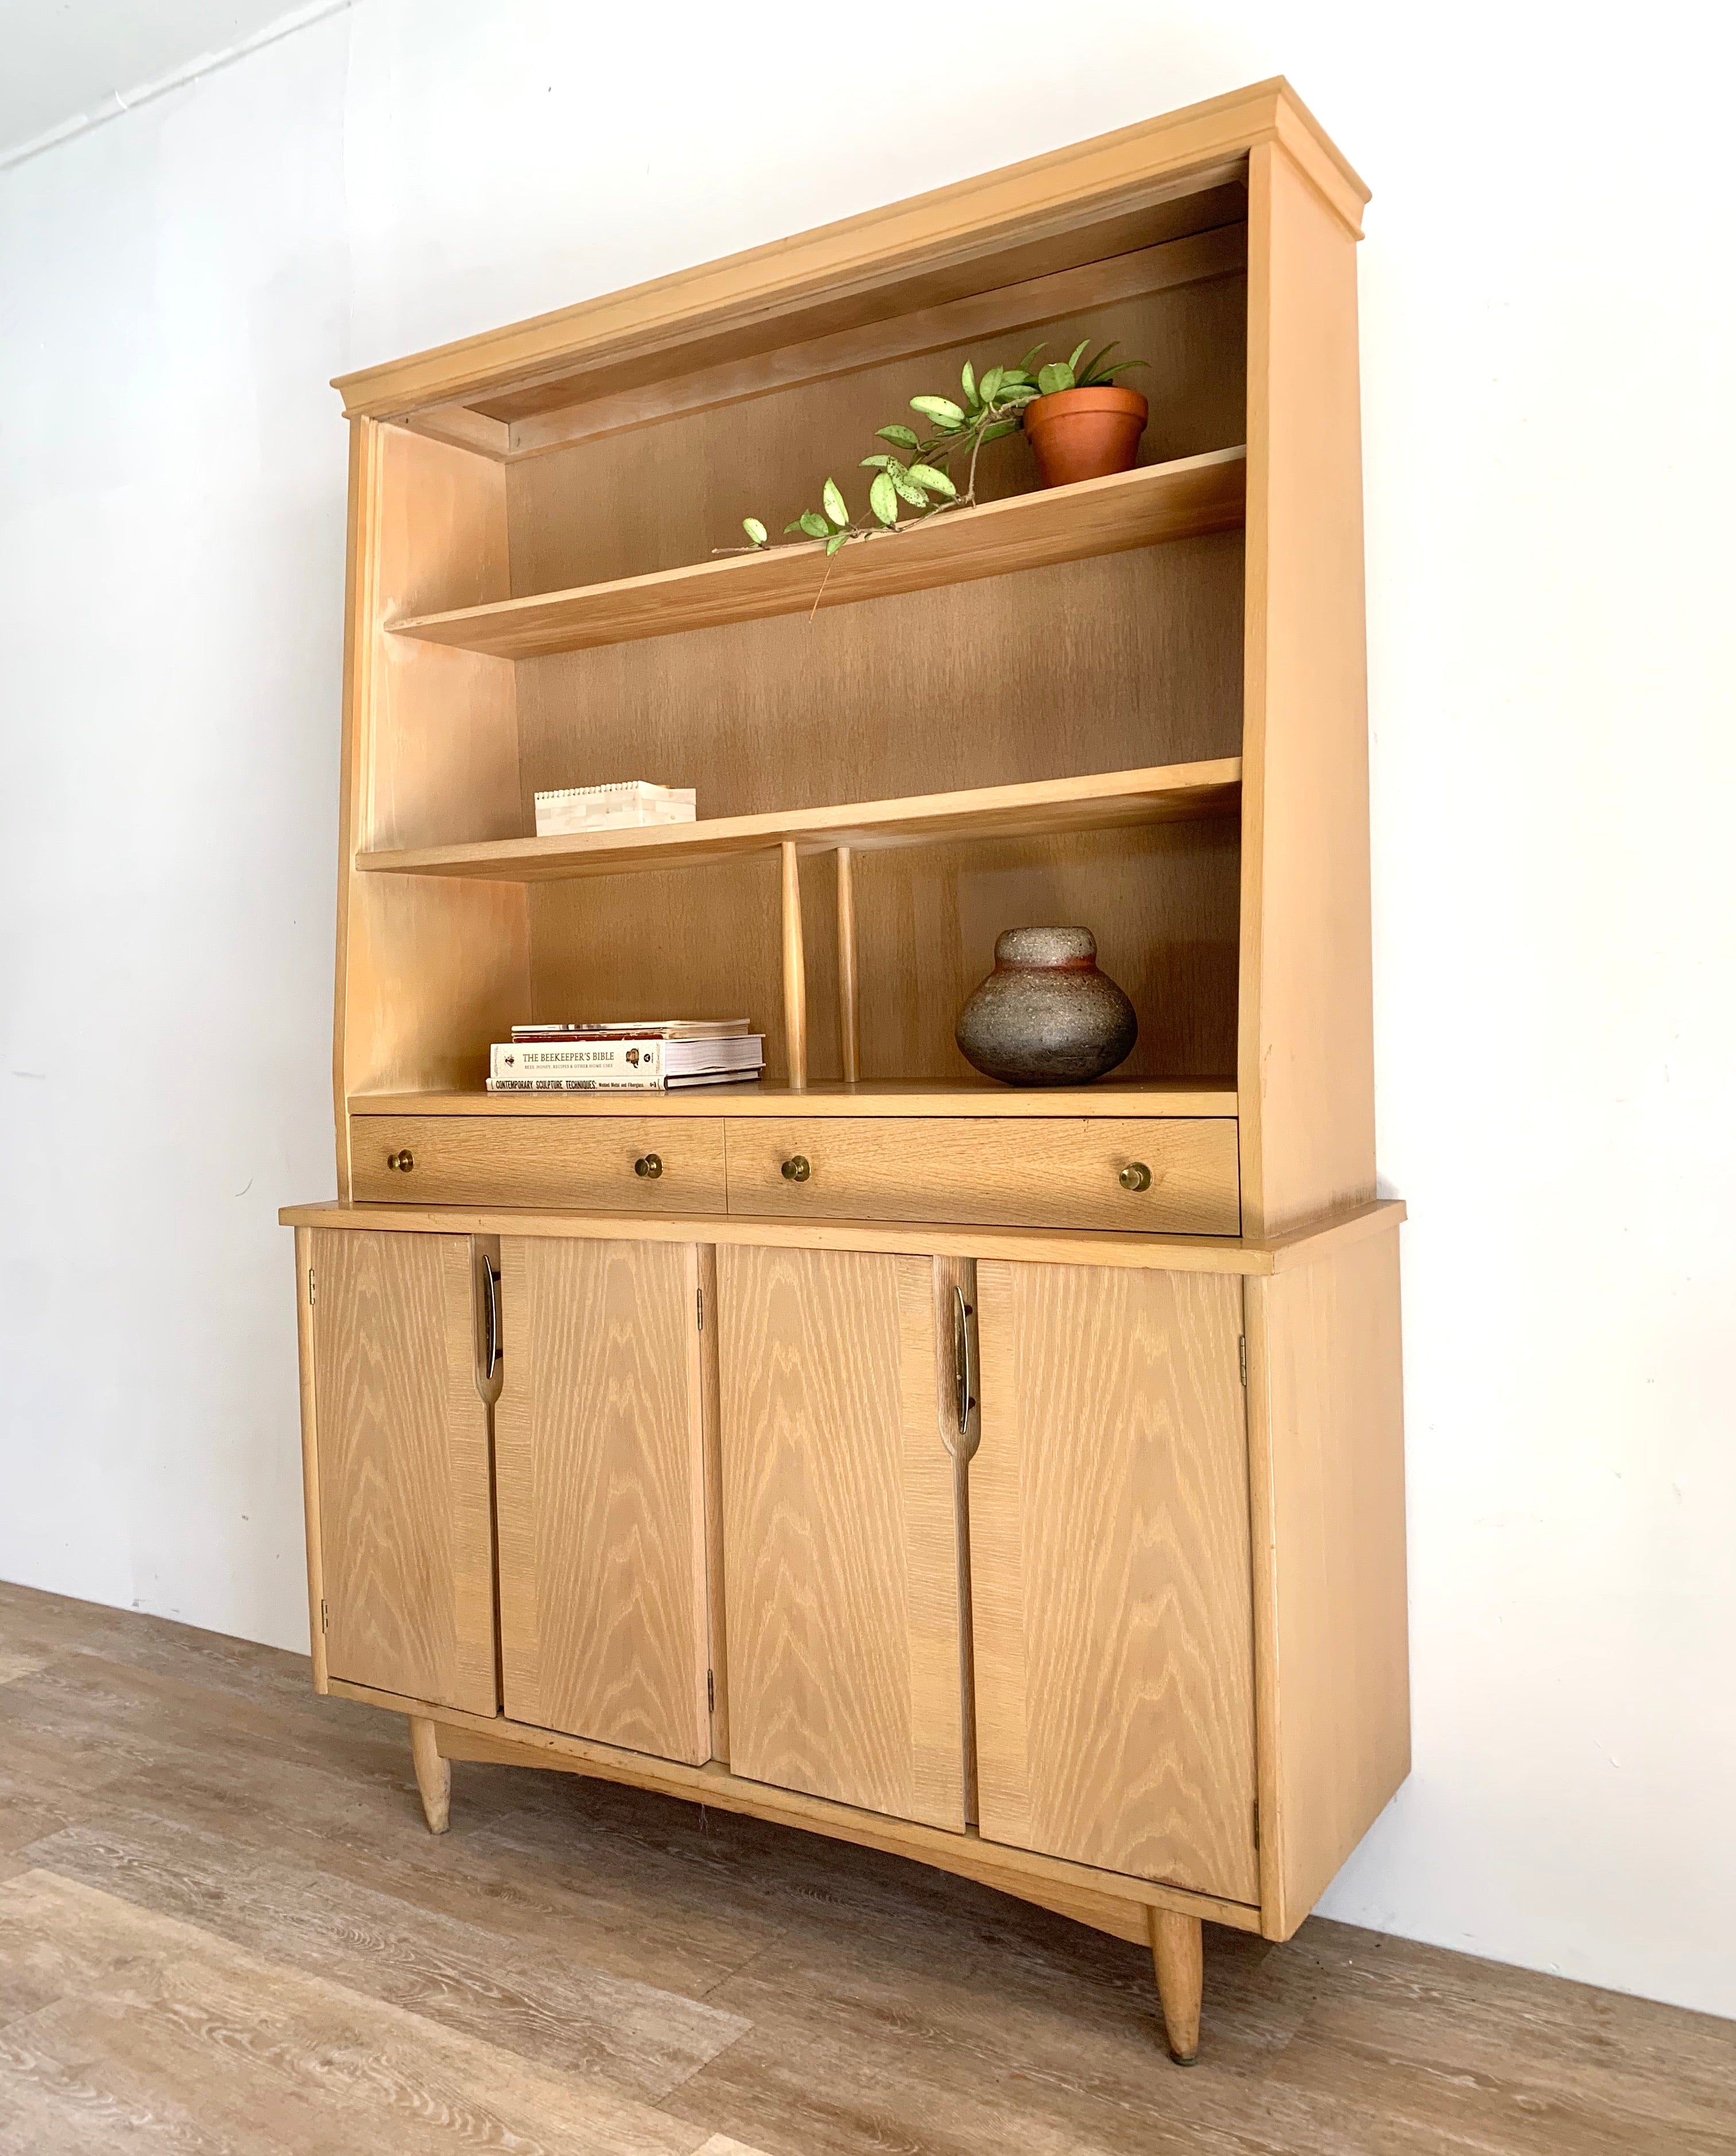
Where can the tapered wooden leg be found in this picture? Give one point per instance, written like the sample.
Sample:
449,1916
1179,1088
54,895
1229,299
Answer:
433,1777
1177,1953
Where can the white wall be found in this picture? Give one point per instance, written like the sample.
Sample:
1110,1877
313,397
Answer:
1547,362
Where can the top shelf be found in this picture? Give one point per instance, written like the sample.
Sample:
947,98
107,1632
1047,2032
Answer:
1188,499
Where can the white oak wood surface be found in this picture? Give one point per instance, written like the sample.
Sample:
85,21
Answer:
405,1529
600,1494
1063,1172
877,1096
840,1550
1107,801
1185,500
427,974
1305,1066
986,231
1110,1574
1327,1445
509,1160
1211,1254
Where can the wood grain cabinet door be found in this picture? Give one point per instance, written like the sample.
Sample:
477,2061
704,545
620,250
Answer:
1110,1571
405,1531
839,1531
600,1489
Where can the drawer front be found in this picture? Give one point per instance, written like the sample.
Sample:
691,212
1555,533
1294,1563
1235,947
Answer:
539,1160
1035,1172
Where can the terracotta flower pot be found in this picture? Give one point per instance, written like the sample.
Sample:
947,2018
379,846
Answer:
1085,434
1045,1016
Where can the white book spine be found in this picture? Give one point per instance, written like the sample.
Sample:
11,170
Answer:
638,1061
576,1085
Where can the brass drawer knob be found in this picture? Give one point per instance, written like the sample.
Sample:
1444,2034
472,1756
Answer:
796,1169
1136,1176
405,1160
650,1165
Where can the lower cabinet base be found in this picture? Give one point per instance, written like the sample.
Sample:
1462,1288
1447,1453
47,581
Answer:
1167,1919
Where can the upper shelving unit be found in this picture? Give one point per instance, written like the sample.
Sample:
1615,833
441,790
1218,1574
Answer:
1109,801
1184,500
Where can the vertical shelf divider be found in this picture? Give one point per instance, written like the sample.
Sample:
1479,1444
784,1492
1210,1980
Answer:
850,1044
795,970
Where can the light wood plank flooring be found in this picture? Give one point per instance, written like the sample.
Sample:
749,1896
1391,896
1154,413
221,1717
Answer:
224,1929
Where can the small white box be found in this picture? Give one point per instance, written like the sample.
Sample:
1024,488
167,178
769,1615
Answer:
634,801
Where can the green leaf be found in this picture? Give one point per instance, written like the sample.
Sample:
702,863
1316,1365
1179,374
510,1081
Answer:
755,530
906,487
1121,366
883,498
837,540
936,482
877,464
901,435
991,383
1000,427
1013,378
832,502
969,382
1055,377
942,410
1025,363
814,524
1073,357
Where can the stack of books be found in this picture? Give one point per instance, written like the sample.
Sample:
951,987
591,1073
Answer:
632,1055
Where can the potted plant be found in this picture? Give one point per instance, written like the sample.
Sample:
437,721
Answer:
1082,425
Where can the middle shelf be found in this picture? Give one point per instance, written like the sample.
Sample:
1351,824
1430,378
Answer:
1104,801
1188,498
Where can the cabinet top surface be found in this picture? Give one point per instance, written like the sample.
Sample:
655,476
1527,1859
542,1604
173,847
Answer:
972,236
1170,1252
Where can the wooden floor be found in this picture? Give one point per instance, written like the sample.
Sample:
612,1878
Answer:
224,1929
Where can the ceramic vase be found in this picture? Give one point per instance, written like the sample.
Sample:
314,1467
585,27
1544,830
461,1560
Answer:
1045,1016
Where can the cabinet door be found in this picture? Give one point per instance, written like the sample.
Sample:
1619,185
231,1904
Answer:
402,1432
600,1487
839,1531
1111,1583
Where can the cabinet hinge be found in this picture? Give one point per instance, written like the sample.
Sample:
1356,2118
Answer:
699,1307
310,1288
1241,1356
1256,1822
325,1617
710,1693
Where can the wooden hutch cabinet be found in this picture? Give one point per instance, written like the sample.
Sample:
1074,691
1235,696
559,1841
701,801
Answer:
969,1494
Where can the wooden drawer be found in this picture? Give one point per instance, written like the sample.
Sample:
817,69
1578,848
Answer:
539,1160
1035,1172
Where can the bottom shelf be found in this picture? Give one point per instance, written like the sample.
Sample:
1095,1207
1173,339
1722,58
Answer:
888,1096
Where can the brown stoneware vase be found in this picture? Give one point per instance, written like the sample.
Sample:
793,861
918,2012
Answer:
1085,434
1045,1016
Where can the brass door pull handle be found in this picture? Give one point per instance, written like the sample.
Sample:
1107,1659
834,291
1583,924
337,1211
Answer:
491,1284
796,1169
405,1160
1136,1176
650,1165
964,1375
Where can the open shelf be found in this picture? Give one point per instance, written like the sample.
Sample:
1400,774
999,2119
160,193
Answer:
1183,500
896,1096
1106,801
